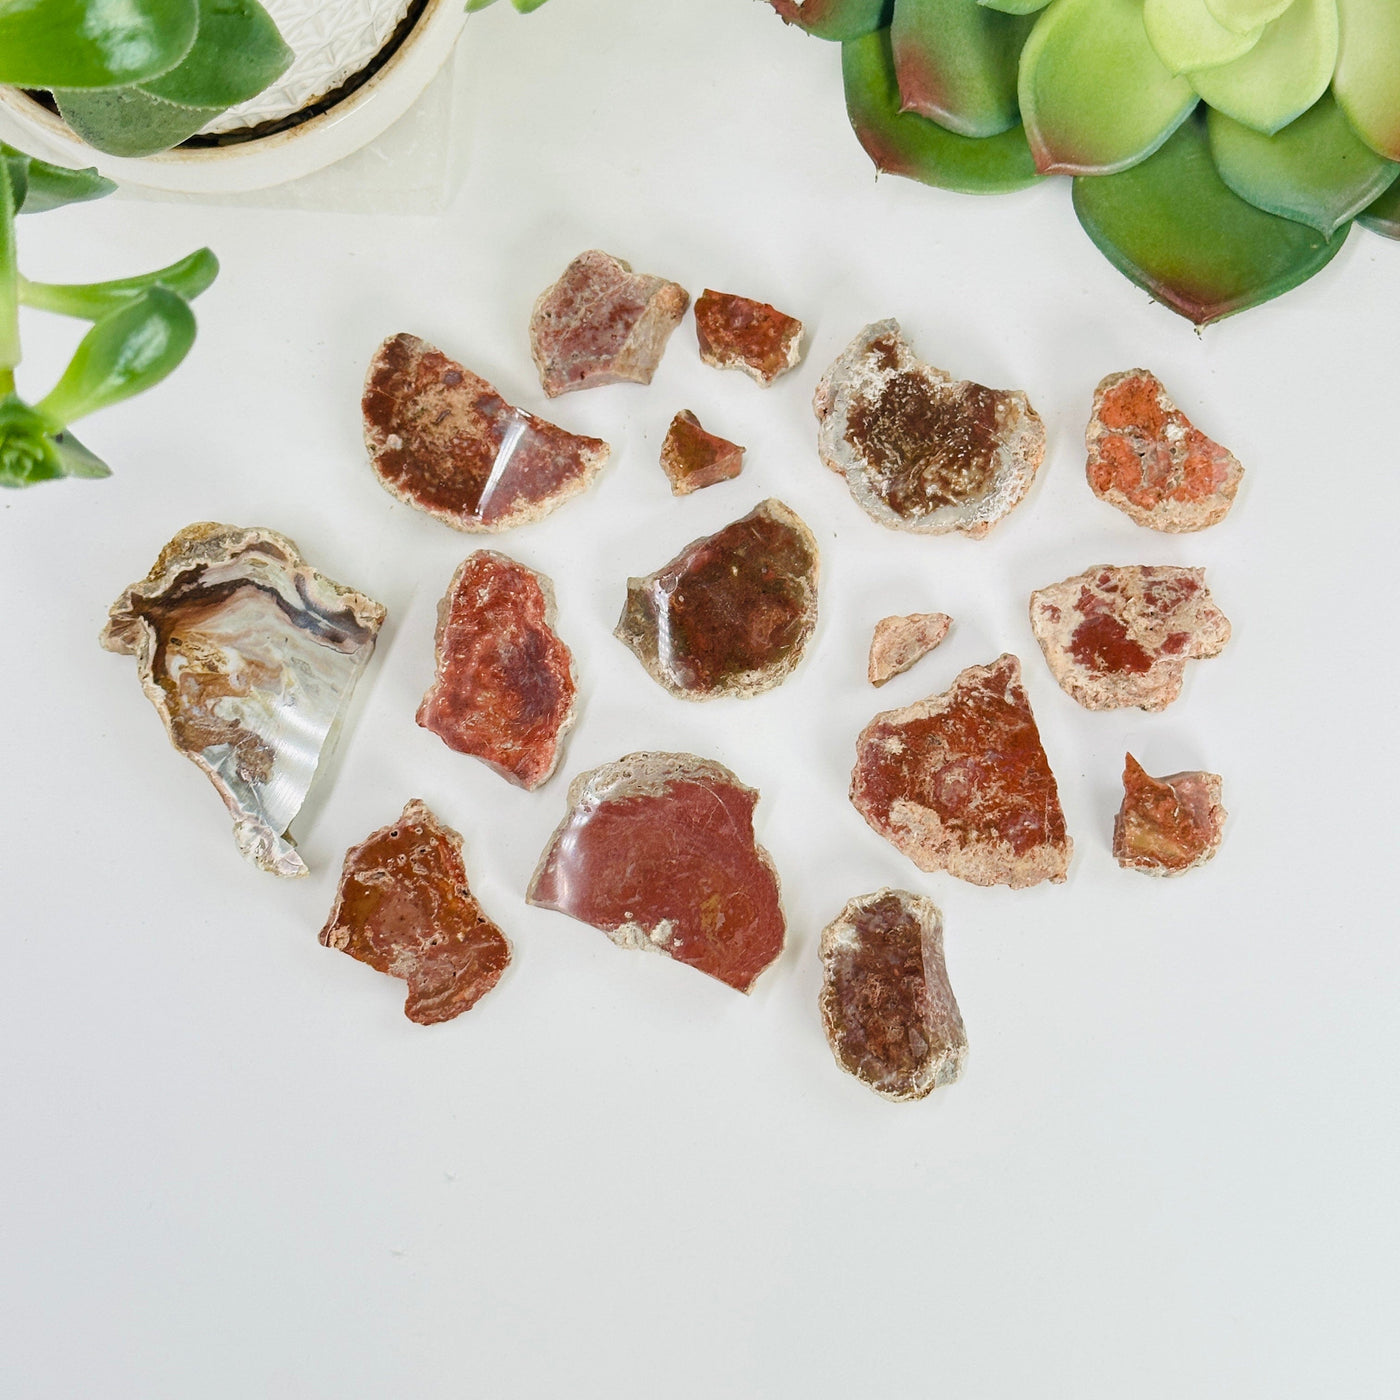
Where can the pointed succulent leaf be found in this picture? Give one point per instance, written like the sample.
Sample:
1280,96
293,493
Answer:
1187,36
236,54
836,19
1015,7
1383,216
77,460
1174,227
905,143
1316,170
526,7
43,186
1244,15
92,43
93,300
129,122
1367,82
955,61
30,452
1283,74
1095,97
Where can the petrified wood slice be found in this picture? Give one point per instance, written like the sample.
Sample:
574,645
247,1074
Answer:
658,851
899,642
442,440
504,690
1167,826
404,907
736,333
960,782
692,458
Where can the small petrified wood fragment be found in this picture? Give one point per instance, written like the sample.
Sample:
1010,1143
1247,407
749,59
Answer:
731,613
736,333
899,642
919,450
403,906
1167,826
1146,458
504,690
602,323
888,1011
692,458
441,439
1122,635
960,782
658,851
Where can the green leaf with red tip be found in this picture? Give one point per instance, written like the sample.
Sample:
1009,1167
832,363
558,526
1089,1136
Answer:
1187,36
836,19
1316,170
1176,228
1383,216
1283,74
1244,15
1367,81
1095,97
1015,7
905,143
955,61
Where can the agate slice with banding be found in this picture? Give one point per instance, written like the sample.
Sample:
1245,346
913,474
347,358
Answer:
404,907
692,458
442,440
504,690
889,1014
602,323
899,642
920,450
731,613
1117,636
737,333
960,782
1167,826
1148,459
658,851
249,656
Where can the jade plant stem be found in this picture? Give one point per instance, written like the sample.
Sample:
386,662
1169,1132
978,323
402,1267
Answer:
9,286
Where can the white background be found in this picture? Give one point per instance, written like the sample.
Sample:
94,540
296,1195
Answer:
231,1168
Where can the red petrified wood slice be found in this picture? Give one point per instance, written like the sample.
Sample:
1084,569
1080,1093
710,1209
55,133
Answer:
1146,458
898,642
443,440
692,458
888,1011
1117,636
736,333
658,851
404,907
1167,826
504,690
602,323
730,614
920,450
960,782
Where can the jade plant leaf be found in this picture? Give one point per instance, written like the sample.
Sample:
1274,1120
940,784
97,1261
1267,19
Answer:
40,186
905,143
93,300
92,43
236,54
955,61
1095,97
128,121
1367,82
31,452
1316,170
1187,36
836,19
1383,216
1243,15
1015,7
1283,74
1174,227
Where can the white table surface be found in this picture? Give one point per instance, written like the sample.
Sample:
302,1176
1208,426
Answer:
232,1168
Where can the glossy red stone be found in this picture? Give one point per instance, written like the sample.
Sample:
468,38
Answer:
404,907
960,782
692,458
1167,826
899,642
658,851
737,333
504,690
443,440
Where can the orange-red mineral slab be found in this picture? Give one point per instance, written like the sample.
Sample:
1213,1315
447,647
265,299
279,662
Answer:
1167,826
692,458
737,333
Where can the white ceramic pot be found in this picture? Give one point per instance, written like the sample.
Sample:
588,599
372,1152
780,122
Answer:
264,161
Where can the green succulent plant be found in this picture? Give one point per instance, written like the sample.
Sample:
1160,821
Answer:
1220,149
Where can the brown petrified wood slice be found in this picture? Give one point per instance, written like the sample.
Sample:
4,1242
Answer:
602,323
888,1011
1122,635
658,851
504,690
736,333
692,458
443,440
1167,826
1146,457
898,642
403,906
920,450
960,782
731,613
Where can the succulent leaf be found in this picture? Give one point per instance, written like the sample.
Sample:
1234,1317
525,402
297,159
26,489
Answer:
40,186
905,143
1383,216
955,61
1316,170
92,43
1175,228
1095,97
93,300
1015,7
1283,74
1367,82
836,19
236,54
128,121
30,452
1244,15
1187,36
